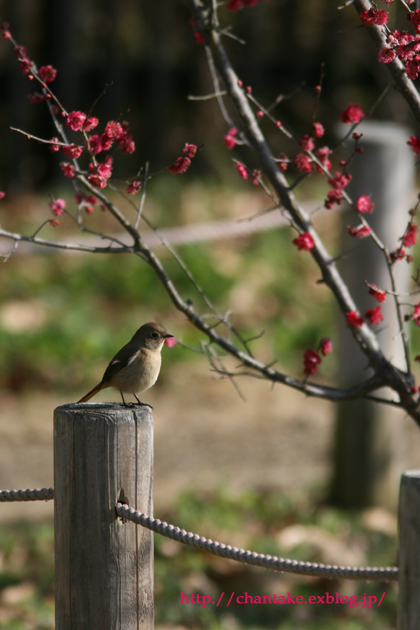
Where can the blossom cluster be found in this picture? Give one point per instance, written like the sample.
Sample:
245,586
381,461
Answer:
372,316
401,44
312,358
182,163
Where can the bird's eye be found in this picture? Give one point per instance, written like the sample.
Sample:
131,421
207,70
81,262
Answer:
155,335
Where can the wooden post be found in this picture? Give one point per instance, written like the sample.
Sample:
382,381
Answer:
368,452
409,552
103,566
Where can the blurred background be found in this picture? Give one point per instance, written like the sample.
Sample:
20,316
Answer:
253,473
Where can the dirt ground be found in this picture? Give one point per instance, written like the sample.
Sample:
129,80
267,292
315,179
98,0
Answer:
205,437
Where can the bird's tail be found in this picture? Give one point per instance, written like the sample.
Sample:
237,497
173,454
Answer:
90,394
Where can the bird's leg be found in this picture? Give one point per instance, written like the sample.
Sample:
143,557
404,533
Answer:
141,403
122,396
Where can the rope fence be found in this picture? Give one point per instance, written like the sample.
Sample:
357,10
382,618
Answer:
45,494
312,569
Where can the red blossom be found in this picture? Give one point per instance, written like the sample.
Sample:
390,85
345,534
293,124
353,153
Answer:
361,231
304,241
126,143
57,206
409,239
311,360
67,169
113,129
307,143
302,162
47,73
353,114
6,34
106,142
326,346
414,18
412,69
75,120
322,155
73,151
283,162
88,201
398,254
365,204
340,181
241,169
97,180
105,168
256,176
416,315
91,199
386,55
133,188
190,150
405,52
334,196
377,293
229,140
36,98
318,129
20,52
372,16
24,65
170,342
54,223
374,315
95,144
90,123
199,38
53,146
353,318
2,194
414,143
180,166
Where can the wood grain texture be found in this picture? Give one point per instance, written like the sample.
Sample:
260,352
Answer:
409,552
103,565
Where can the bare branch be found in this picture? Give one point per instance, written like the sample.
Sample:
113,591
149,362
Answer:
124,249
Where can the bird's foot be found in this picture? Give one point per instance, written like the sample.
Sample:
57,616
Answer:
142,404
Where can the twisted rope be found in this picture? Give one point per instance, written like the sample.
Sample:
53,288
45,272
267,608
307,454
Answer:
383,574
46,494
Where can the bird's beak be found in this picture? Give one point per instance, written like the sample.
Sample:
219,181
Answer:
167,336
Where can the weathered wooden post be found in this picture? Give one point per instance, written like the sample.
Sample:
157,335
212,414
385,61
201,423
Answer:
368,441
409,552
103,453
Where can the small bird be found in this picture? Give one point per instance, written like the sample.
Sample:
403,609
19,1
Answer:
135,368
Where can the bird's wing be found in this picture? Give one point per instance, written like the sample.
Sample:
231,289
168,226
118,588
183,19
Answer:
124,357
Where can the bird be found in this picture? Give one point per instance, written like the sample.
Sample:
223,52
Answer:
135,368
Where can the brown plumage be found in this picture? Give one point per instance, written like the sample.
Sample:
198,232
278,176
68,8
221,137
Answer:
135,368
